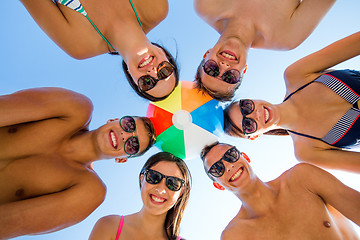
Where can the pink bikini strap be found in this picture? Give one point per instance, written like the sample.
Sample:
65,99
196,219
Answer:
120,227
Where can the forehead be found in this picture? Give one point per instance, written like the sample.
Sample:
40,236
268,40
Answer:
168,169
215,154
142,133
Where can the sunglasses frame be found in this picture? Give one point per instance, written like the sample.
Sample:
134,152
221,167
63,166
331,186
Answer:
132,137
219,162
156,80
146,171
238,80
244,116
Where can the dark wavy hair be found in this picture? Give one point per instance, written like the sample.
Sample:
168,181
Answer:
145,95
215,95
176,213
233,130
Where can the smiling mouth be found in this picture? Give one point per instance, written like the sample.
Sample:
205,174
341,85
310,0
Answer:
113,139
236,175
146,61
157,199
267,114
228,55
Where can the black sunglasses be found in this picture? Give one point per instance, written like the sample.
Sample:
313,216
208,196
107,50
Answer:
218,168
131,145
155,177
212,69
147,82
249,125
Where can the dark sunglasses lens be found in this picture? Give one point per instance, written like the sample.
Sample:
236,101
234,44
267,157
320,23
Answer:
217,169
146,82
249,125
173,183
128,124
153,177
231,76
211,68
165,69
132,146
231,155
246,106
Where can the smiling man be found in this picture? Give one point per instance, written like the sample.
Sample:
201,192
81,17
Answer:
305,202
242,24
47,181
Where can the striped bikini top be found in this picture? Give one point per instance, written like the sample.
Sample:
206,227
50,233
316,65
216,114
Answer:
76,5
346,132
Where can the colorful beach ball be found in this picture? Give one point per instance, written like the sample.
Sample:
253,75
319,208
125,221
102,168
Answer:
186,121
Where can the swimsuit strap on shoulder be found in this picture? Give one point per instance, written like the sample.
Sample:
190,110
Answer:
137,17
120,227
99,32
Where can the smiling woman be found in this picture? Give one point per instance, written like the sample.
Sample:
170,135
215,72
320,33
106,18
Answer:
165,184
100,29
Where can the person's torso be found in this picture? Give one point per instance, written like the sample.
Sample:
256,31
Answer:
31,162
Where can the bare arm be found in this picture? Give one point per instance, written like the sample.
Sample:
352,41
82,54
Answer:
52,212
304,20
105,228
346,200
63,29
323,59
330,158
44,103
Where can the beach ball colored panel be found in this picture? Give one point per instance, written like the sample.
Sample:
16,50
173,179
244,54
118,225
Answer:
186,121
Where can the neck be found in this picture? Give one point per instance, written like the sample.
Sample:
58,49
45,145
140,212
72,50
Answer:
257,199
151,224
129,40
80,148
288,115
233,28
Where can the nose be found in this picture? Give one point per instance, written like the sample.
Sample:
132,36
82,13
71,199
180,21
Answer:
126,135
161,187
228,166
223,66
152,71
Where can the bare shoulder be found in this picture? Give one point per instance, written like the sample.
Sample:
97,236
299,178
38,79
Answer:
237,229
105,228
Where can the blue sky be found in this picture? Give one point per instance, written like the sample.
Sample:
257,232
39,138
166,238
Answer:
30,59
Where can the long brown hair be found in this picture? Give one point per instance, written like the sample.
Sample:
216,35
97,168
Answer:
176,213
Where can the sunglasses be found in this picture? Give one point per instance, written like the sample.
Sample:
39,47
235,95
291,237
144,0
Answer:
147,82
131,145
155,177
249,125
212,69
218,168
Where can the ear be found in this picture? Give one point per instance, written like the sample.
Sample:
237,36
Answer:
121,160
245,156
245,69
218,186
112,120
207,52
141,179
255,136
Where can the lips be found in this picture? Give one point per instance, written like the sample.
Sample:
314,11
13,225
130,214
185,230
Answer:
228,55
145,61
237,174
157,200
266,114
113,139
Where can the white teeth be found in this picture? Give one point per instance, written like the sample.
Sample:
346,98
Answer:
267,115
156,199
146,62
228,56
113,139
237,174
